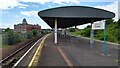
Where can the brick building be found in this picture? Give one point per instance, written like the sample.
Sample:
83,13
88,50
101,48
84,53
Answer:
25,27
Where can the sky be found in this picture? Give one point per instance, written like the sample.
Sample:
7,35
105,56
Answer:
13,11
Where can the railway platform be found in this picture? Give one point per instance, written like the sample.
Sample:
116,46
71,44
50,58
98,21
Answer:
69,51
74,51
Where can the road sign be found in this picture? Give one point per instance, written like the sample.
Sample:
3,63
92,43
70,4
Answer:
98,25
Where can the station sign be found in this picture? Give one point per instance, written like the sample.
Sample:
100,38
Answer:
98,25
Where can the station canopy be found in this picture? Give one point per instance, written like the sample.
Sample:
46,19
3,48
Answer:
69,16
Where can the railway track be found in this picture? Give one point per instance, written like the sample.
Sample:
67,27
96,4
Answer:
10,60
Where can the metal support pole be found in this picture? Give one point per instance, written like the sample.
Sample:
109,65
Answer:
105,48
55,30
75,28
91,37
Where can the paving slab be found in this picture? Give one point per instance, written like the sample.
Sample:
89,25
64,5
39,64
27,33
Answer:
78,52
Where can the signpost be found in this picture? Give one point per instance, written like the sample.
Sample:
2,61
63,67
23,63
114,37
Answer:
92,37
105,47
98,26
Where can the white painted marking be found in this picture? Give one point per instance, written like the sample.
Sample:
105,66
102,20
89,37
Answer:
26,53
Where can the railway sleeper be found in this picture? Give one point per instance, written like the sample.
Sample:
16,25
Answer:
8,63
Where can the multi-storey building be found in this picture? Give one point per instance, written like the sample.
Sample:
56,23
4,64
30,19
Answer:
25,27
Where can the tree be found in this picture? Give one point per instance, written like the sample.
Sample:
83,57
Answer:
8,36
17,37
72,29
109,21
29,35
118,31
7,30
35,33
86,32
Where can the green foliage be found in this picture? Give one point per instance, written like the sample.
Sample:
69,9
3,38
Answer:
118,32
72,29
7,30
86,32
10,37
112,32
35,33
17,37
29,35
99,34
43,32
108,21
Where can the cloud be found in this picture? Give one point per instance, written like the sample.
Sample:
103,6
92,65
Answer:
113,7
22,5
83,26
65,1
98,0
36,1
49,6
5,4
53,1
8,4
119,10
30,13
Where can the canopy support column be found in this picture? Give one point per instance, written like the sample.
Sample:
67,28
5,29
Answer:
91,37
55,31
105,47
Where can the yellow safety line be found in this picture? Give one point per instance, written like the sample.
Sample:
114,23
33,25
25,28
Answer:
39,48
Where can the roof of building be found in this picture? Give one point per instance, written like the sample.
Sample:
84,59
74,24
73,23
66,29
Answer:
24,21
68,16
